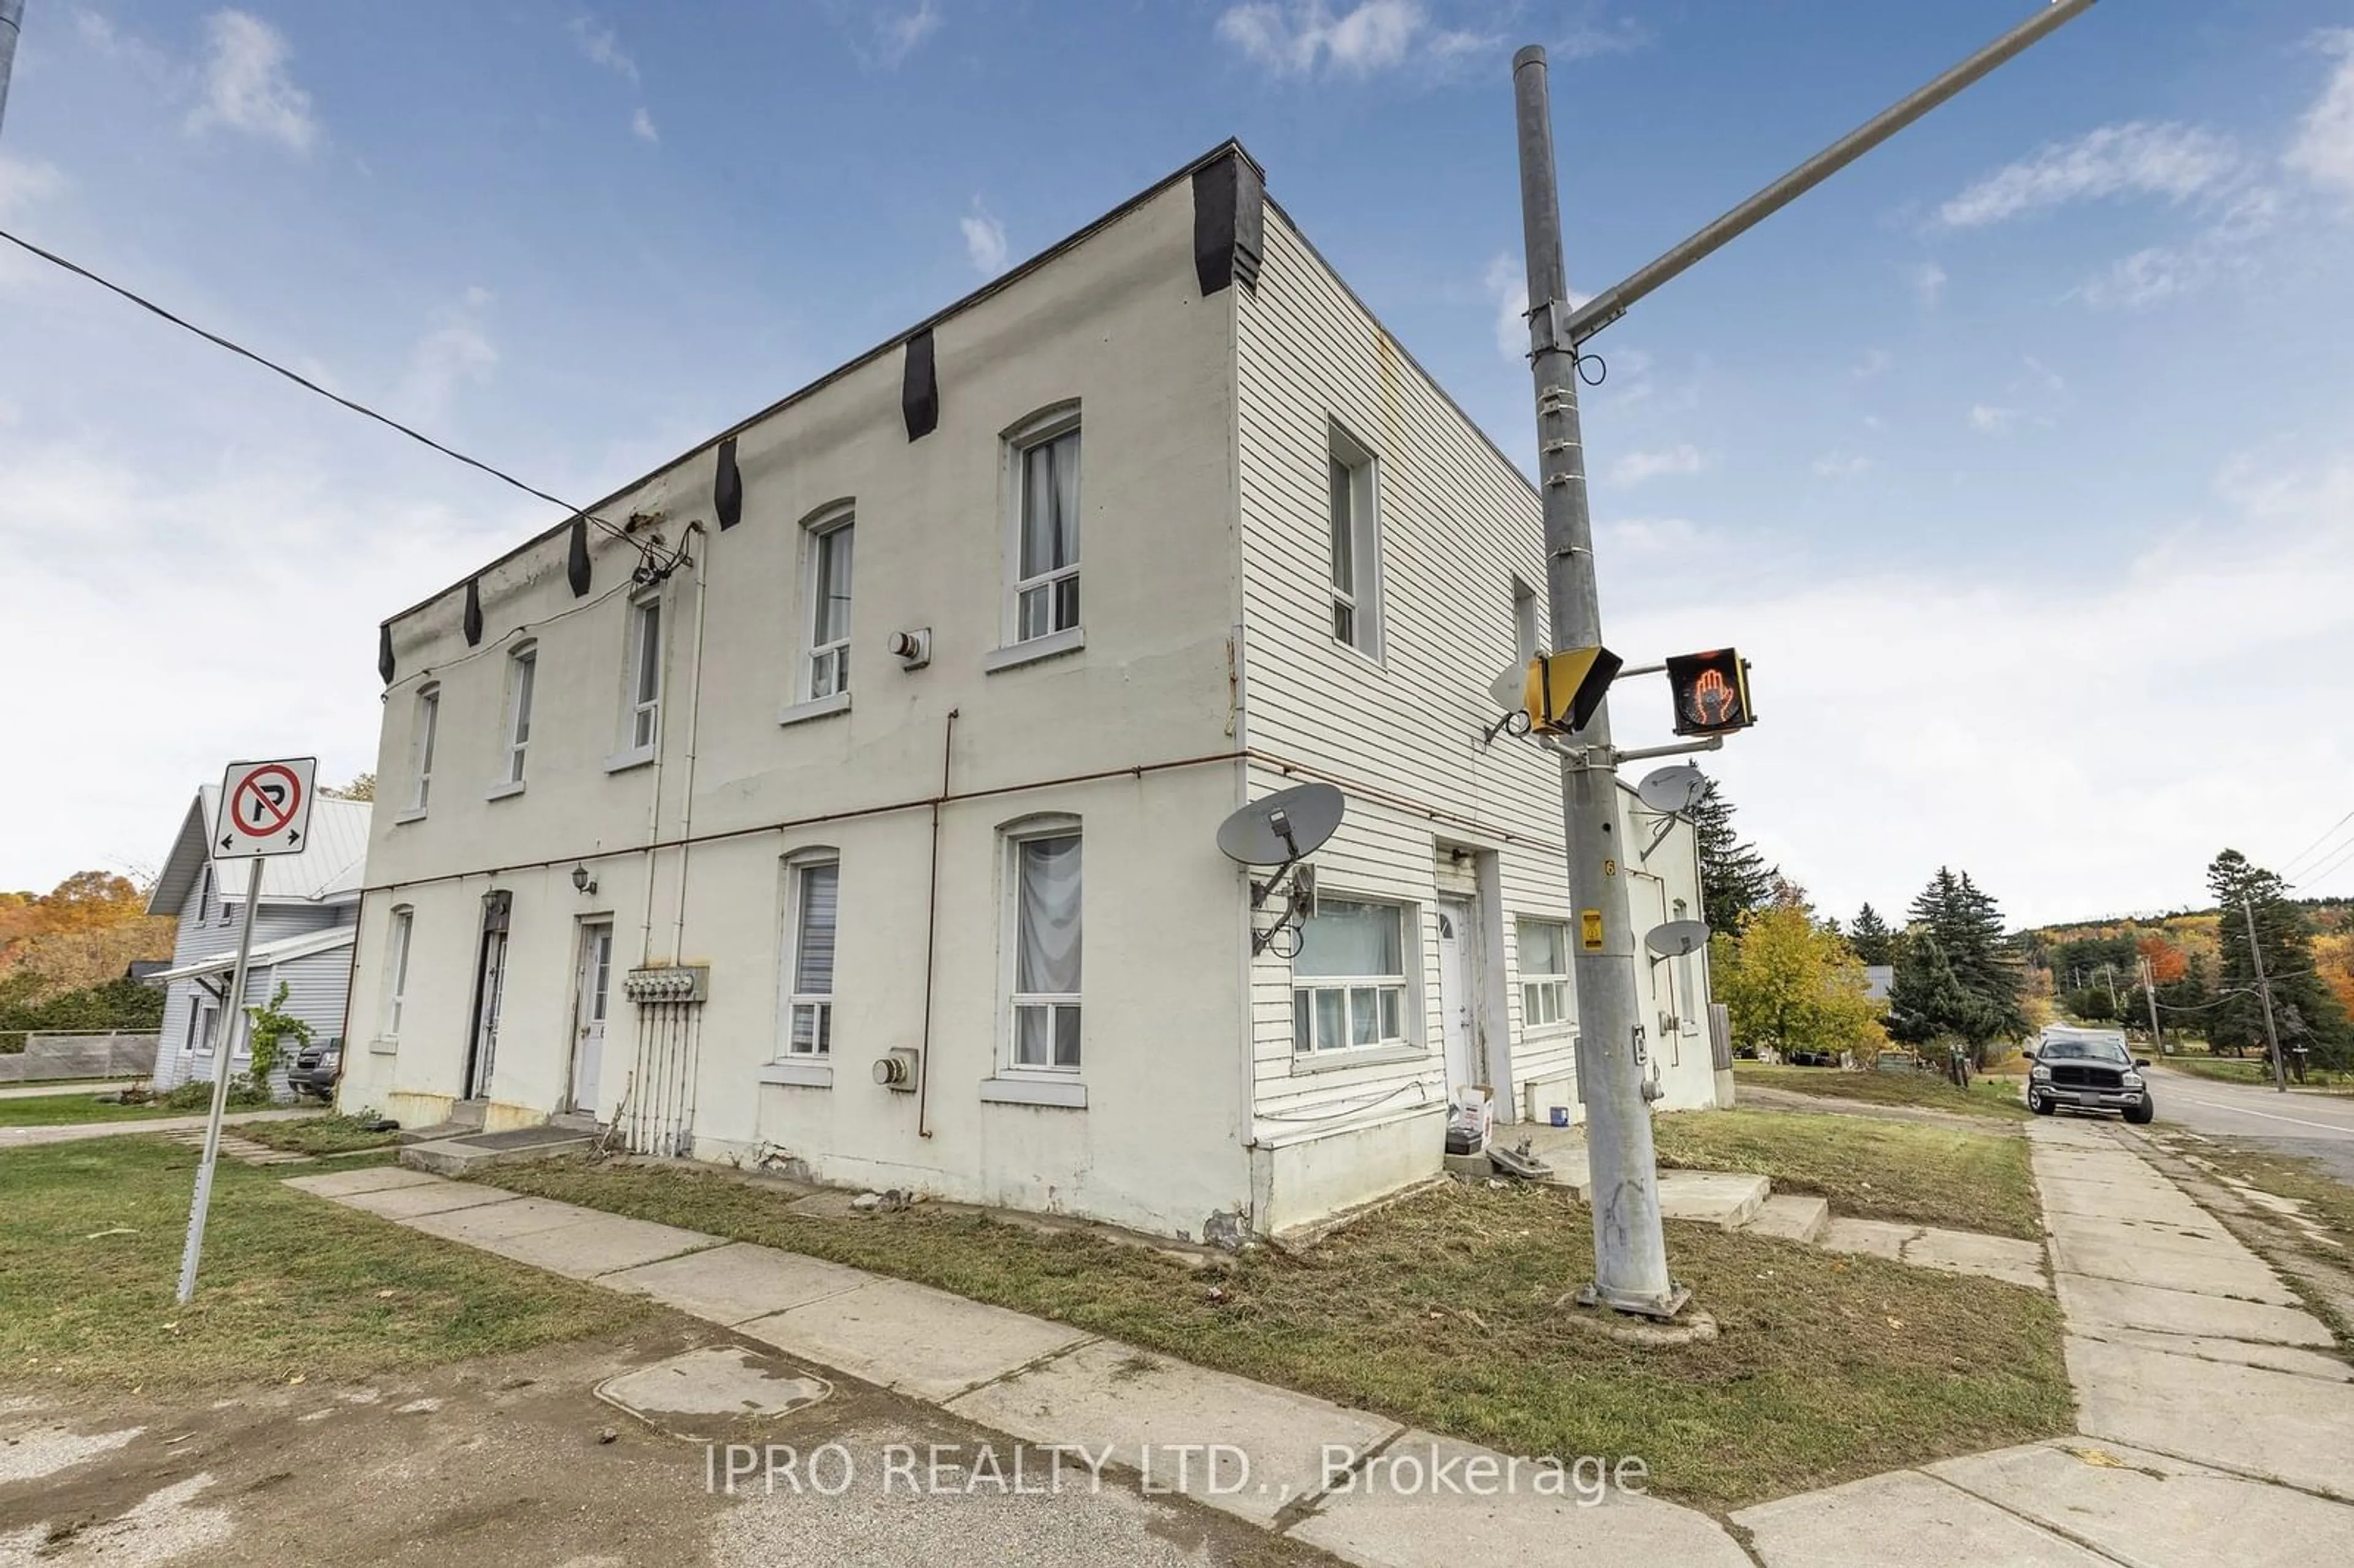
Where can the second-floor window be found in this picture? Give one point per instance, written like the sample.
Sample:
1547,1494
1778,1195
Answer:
642,715
829,611
523,670
425,729
1354,535
1046,522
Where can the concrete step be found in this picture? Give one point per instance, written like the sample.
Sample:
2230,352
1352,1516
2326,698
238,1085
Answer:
1788,1216
458,1155
1727,1199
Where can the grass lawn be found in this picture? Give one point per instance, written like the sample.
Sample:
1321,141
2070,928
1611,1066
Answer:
1439,1311
1995,1097
1871,1169
58,1110
90,1254
317,1135
2244,1070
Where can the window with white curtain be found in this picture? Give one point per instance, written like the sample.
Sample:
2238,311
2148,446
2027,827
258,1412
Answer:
641,711
828,666
1355,541
1544,973
813,901
395,969
1045,997
1348,980
523,670
1045,587
424,731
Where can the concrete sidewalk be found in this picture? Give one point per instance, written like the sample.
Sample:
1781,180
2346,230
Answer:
2213,1424
31,1137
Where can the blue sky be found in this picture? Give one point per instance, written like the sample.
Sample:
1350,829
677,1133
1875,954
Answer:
2020,457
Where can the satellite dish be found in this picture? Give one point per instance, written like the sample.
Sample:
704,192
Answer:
1674,789
1676,937
1280,828
1511,689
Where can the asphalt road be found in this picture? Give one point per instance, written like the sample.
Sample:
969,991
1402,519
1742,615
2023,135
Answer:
2316,1127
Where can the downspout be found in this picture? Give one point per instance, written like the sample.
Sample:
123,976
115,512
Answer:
931,940
694,727
351,978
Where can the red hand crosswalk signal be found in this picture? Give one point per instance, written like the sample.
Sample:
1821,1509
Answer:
1711,691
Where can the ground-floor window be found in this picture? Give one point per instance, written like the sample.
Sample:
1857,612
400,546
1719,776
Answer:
1544,973
1045,882
812,899
1348,980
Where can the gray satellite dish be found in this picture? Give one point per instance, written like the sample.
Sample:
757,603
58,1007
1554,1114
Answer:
1282,827
1676,937
1511,689
1674,789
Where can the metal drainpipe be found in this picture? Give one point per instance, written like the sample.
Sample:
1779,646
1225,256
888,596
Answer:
693,728
351,978
931,940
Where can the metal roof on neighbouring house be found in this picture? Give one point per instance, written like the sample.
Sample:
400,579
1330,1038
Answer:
329,871
283,950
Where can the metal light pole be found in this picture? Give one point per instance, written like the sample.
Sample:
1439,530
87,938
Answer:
11,23
221,1056
2264,992
1630,1261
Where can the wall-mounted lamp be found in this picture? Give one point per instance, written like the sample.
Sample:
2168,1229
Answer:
581,881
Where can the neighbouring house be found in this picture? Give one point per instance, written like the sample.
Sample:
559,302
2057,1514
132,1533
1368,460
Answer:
302,933
905,875
1877,978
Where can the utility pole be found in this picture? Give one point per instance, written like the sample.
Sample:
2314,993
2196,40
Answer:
1630,1254
2109,974
1630,1261
11,23
2149,995
2264,992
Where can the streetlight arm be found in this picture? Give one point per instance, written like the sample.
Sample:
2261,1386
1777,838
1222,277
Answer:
1613,303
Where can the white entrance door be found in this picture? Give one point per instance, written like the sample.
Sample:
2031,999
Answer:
589,1043
1455,990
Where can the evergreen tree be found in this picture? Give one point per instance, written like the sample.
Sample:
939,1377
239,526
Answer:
2305,1012
1734,880
1874,942
1929,1001
1965,927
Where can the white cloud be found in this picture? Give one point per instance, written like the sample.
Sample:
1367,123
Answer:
1928,280
22,184
1635,467
1299,37
2138,158
602,46
642,126
1861,789
900,34
2324,149
246,84
1875,362
1506,283
1990,420
1842,465
458,353
984,240
1639,537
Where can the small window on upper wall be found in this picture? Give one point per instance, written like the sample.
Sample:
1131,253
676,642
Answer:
424,731
641,691
1354,536
825,670
1525,621
1045,588
522,671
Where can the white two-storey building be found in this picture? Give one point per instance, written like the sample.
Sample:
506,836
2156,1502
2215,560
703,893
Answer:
888,736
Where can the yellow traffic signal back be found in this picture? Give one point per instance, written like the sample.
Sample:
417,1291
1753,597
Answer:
1564,689
1711,691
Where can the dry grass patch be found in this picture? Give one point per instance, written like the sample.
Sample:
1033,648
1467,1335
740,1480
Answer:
1440,1311
89,1258
1871,1170
318,1135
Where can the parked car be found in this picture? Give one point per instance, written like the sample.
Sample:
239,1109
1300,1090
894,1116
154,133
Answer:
2088,1072
315,1069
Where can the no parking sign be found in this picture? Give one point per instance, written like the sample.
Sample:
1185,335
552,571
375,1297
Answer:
265,808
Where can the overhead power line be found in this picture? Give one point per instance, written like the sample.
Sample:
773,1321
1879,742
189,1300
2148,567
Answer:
2326,835
310,386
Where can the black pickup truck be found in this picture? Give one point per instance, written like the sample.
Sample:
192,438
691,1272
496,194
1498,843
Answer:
2087,1071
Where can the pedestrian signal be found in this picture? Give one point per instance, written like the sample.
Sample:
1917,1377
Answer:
1564,689
1711,691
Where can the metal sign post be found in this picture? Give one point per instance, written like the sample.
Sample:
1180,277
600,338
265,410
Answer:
265,810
